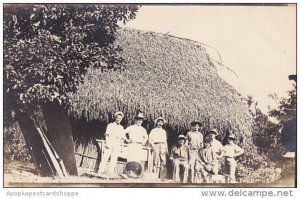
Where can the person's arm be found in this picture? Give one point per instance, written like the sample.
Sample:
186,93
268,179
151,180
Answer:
221,152
238,151
107,137
201,141
172,154
123,138
145,137
187,137
151,138
166,142
127,131
189,154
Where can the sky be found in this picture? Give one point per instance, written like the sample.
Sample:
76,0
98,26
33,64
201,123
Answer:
257,42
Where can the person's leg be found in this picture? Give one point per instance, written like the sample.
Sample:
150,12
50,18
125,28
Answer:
198,172
207,172
232,169
104,159
176,177
155,157
215,168
162,161
194,154
186,167
113,159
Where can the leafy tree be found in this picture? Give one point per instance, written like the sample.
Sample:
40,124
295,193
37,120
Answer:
48,48
285,113
47,51
287,108
269,136
265,135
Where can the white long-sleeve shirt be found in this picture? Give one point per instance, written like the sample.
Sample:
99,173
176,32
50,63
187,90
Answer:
115,133
158,135
137,133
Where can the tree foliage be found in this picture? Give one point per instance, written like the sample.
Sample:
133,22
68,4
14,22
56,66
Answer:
269,136
287,108
49,47
265,135
285,113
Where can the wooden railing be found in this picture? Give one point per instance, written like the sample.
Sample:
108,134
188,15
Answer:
89,157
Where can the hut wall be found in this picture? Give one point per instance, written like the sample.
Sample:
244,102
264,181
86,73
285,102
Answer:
60,135
85,133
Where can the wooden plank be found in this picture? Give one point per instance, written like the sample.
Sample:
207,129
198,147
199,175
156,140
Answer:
52,157
85,155
123,154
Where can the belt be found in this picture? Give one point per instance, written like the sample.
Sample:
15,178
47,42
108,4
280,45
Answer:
137,142
159,142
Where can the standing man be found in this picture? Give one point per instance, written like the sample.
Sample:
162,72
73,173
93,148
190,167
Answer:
114,137
137,139
180,156
195,142
158,140
217,150
231,152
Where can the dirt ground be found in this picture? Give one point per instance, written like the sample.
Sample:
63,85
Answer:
17,173
23,174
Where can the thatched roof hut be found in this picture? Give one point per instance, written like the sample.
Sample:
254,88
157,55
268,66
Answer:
163,76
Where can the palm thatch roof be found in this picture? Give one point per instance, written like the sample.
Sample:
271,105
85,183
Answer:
163,76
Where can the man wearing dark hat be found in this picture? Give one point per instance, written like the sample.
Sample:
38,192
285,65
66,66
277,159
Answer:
137,138
195,142
158,140
232,151
180,156
114,137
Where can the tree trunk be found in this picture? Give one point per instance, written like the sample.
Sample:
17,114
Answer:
59,132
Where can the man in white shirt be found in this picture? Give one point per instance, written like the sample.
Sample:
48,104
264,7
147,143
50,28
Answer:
209,157
217,150
137,139
180,156
231,152
195,142
158,140
114,137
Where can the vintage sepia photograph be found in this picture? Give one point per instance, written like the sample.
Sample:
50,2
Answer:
149,95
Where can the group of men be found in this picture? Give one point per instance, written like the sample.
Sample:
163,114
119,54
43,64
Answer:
197,154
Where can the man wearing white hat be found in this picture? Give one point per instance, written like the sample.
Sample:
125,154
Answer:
114,137
195,142
231,152
217,148
137,138
180,156
158,140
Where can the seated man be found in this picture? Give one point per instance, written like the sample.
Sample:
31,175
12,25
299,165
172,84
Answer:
207,167
180,155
